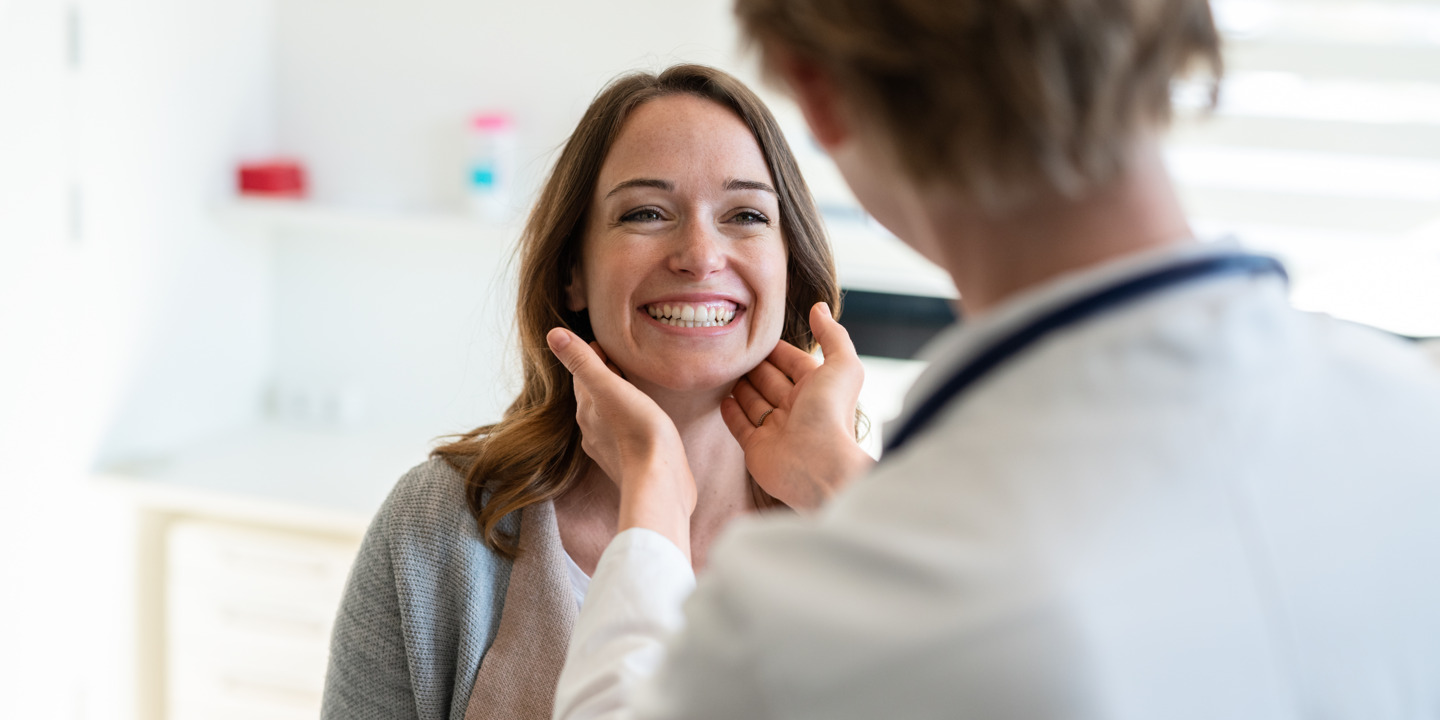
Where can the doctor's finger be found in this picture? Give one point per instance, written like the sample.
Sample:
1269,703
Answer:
751,401
735,419
792,361
771,383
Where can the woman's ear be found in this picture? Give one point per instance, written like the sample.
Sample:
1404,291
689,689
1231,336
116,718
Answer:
575,291
816,93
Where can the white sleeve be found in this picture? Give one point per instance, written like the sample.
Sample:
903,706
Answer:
633,606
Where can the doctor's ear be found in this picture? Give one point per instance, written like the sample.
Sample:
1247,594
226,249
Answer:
575,291
816,92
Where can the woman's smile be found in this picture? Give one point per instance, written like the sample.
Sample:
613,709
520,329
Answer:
694,314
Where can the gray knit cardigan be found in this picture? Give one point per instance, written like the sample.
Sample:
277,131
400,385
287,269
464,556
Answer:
428,607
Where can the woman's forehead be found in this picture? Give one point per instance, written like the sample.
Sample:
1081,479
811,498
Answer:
683,139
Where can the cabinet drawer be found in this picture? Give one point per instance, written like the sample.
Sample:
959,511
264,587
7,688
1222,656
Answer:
202,610
255,642
248,619
257,563
227,694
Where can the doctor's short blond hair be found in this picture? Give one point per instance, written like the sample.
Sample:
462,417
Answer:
1000,98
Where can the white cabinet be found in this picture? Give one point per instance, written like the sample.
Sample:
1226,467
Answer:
242,547
249,618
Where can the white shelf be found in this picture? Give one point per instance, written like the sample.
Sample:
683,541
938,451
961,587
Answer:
306,216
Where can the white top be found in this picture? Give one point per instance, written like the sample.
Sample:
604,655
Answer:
579,581
1204,504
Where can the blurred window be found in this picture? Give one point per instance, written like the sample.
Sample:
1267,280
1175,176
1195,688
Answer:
1325,150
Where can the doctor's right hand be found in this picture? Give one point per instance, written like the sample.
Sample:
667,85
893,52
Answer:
631,439
794,416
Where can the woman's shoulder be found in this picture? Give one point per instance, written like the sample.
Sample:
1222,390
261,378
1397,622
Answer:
428,513
421,605
433,489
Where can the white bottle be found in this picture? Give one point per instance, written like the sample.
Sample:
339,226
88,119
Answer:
491,166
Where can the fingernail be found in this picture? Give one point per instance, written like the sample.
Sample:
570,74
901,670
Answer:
558,339
825,307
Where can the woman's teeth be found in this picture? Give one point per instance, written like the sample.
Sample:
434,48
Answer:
692,315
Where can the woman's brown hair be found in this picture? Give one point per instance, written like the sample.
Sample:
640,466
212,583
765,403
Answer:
533,454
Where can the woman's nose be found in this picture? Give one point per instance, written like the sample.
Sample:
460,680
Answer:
699,251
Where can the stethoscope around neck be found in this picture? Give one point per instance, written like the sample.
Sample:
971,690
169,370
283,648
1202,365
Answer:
1007,347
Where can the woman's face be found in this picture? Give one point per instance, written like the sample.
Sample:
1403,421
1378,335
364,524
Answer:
683,263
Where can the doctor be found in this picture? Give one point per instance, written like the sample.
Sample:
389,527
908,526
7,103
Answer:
1134,484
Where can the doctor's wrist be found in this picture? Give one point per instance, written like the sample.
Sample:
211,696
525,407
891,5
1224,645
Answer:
659,494
828,474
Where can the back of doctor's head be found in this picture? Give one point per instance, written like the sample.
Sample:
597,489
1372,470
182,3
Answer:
999,98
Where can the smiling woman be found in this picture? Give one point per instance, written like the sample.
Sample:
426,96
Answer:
675,233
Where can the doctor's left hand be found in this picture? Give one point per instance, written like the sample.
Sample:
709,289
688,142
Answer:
794,417
631,439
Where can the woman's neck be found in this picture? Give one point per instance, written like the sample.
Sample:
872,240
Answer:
716,461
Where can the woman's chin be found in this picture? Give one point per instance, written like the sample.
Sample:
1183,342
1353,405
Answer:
698,383
689,372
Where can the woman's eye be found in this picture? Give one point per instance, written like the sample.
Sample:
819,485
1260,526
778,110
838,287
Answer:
750,217
646,214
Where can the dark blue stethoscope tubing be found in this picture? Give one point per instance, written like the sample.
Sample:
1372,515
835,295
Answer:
1084,308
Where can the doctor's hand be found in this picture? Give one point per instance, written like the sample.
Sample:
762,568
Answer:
795,417
631,439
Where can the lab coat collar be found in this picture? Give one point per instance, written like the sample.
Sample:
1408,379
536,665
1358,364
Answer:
958,344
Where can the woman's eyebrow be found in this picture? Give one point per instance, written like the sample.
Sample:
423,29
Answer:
750,185
665,185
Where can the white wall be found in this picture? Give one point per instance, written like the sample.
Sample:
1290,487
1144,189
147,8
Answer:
128,320
124,300
174,92
34,312
407,333
373,94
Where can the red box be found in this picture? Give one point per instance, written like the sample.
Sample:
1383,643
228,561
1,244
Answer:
272,178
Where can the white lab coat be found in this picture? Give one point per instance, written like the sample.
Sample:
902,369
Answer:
1204,504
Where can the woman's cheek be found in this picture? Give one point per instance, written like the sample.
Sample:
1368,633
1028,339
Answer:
775,319
782,285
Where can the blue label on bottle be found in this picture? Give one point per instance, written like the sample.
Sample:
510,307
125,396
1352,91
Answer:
483,177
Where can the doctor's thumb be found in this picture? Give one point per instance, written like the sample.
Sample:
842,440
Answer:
568,349
833,338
